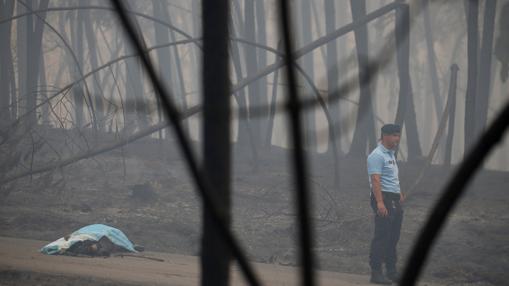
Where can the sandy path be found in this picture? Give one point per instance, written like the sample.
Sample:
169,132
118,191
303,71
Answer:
22,255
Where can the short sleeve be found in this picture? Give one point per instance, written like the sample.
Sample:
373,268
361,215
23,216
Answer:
375,164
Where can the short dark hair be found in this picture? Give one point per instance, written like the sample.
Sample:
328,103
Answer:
388,129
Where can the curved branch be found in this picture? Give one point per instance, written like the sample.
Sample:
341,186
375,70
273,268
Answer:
268,69
70,85
451,194
73,8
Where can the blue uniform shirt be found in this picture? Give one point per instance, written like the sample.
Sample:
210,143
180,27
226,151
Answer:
382,161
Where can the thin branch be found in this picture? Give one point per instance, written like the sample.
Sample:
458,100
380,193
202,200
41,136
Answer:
73,8
203,185
70,85
452,192
299,161
97,151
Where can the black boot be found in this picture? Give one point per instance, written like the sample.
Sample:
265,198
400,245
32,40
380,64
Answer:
377,277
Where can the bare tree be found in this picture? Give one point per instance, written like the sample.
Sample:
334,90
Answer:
88,26
481,106
77,44
364,129
169,58
244,130
307,65
472,49
163,55
332,70
406,109
43,91
452,112
502,42
135,88
251,56
261,38
6,67
432,67
29,32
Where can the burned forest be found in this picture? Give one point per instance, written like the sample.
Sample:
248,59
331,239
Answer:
230,142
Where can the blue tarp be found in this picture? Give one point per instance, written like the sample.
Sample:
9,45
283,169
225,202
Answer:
90,232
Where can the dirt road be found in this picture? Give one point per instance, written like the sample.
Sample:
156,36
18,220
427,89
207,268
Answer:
22,255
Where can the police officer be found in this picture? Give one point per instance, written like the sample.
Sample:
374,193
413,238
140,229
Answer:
386,199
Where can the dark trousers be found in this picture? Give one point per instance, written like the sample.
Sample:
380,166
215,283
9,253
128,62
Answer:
387,232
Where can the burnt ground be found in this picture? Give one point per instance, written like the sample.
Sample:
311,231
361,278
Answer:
144,189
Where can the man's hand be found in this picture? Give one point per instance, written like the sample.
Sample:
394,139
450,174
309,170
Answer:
382,210
402,198
377,192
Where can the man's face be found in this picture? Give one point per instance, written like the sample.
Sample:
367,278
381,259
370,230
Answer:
391,141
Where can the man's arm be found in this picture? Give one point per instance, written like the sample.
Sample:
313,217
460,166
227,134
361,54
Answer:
377,192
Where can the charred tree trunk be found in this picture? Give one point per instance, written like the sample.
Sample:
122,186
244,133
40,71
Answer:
332,69
13,86
307,64
135,96
44,92
78,90
481,106
472,49
273,104
502,42
163,55
6,11
261,33
432,68
364,125
30,48
272,110
406,109
255,98
179,76
169,59
75,51
245,133
215,254
135,87
240,95
35,50
452,113
97,92
195,56
414,145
